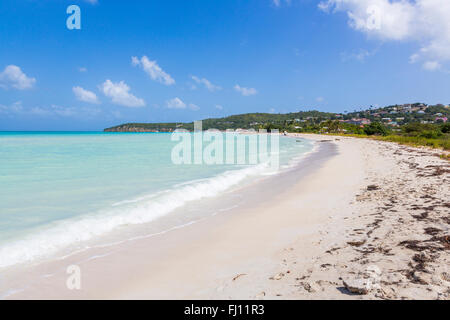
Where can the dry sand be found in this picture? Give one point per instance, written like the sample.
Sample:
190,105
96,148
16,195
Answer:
328,236
390,241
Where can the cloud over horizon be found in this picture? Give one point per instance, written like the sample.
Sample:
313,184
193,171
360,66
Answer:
13,77
278,3
119,93
17,109
153,70
85,95
208,85
425,22
245,91
177,103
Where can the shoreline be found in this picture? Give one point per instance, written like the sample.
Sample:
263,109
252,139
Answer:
313,237
138,203
246,196
203,209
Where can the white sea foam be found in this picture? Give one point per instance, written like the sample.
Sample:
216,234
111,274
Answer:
75,231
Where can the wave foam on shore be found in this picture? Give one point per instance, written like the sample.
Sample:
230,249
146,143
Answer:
76,232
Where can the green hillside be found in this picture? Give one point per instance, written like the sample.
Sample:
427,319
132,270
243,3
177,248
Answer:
242,121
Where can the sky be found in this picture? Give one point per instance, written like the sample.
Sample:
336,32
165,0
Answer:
179,61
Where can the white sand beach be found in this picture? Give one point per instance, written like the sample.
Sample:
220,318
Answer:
358,211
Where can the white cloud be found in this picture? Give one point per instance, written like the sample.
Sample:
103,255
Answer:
219,107
91,112
206,83
425,22
194,107
176,103
278,3
85,95
17,109
120,94
153,70
38,111
11,109
82,69
62,111
360,55
54,110
320,99
414,58
431,65
13,76
245,91
92,1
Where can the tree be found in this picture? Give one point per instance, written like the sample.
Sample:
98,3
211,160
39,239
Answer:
445,128
375,128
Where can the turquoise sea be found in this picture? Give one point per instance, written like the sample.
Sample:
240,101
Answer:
58,189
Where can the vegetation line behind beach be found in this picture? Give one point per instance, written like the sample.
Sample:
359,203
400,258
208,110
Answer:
413,134
415,124
414,141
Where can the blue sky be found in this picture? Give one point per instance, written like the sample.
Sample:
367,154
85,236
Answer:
158,61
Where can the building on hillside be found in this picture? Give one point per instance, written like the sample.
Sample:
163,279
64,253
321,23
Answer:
358,121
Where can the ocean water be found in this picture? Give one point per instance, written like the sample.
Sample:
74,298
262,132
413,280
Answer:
60,190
